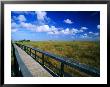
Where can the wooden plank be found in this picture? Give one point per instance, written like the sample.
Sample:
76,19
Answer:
29,67
72,63
24,69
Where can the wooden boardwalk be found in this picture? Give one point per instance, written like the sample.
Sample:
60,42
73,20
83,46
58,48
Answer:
34,68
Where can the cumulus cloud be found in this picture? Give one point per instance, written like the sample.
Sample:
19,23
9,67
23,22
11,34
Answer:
14,25
43,28
41,15
76,30
36,28
98,26
21,18
14,30
46,28
66,31
51,32
96,34
84,28
92,33
84,36
68,21
28,26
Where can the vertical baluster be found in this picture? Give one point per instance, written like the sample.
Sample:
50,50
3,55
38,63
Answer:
42,59
30,51
26,48
35,54
27,51
23,47
62,70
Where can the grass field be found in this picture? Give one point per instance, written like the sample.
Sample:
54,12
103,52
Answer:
87,52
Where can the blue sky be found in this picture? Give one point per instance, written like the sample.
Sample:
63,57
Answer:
55,25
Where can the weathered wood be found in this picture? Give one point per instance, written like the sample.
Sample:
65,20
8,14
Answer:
81,67
29,67
42,59
62,70
24,69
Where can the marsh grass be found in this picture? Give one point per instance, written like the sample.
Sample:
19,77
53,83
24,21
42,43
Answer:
85,52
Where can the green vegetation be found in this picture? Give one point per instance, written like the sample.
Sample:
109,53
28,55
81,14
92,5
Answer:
86,52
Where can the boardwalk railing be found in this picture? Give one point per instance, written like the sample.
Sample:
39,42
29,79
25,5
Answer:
59,66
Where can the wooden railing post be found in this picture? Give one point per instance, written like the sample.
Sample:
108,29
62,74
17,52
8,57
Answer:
81,67
42,59
30,51
24,47
17,72
27,51
21,46
35,54
62,70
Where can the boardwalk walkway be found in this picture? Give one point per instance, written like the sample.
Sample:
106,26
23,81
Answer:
34,68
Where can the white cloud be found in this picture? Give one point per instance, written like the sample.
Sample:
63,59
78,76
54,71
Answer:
68,21
43,28
46,28
28,26
85,34
14,18
80,31
98,26
94,34
56,32
66,31
90,32
84,28
41,15
14,30
50,32
14,25
21,18
76,31
53,28
35,28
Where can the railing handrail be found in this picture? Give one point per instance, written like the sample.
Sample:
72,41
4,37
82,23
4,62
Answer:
67,61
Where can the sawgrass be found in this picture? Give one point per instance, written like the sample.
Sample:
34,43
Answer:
86,52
